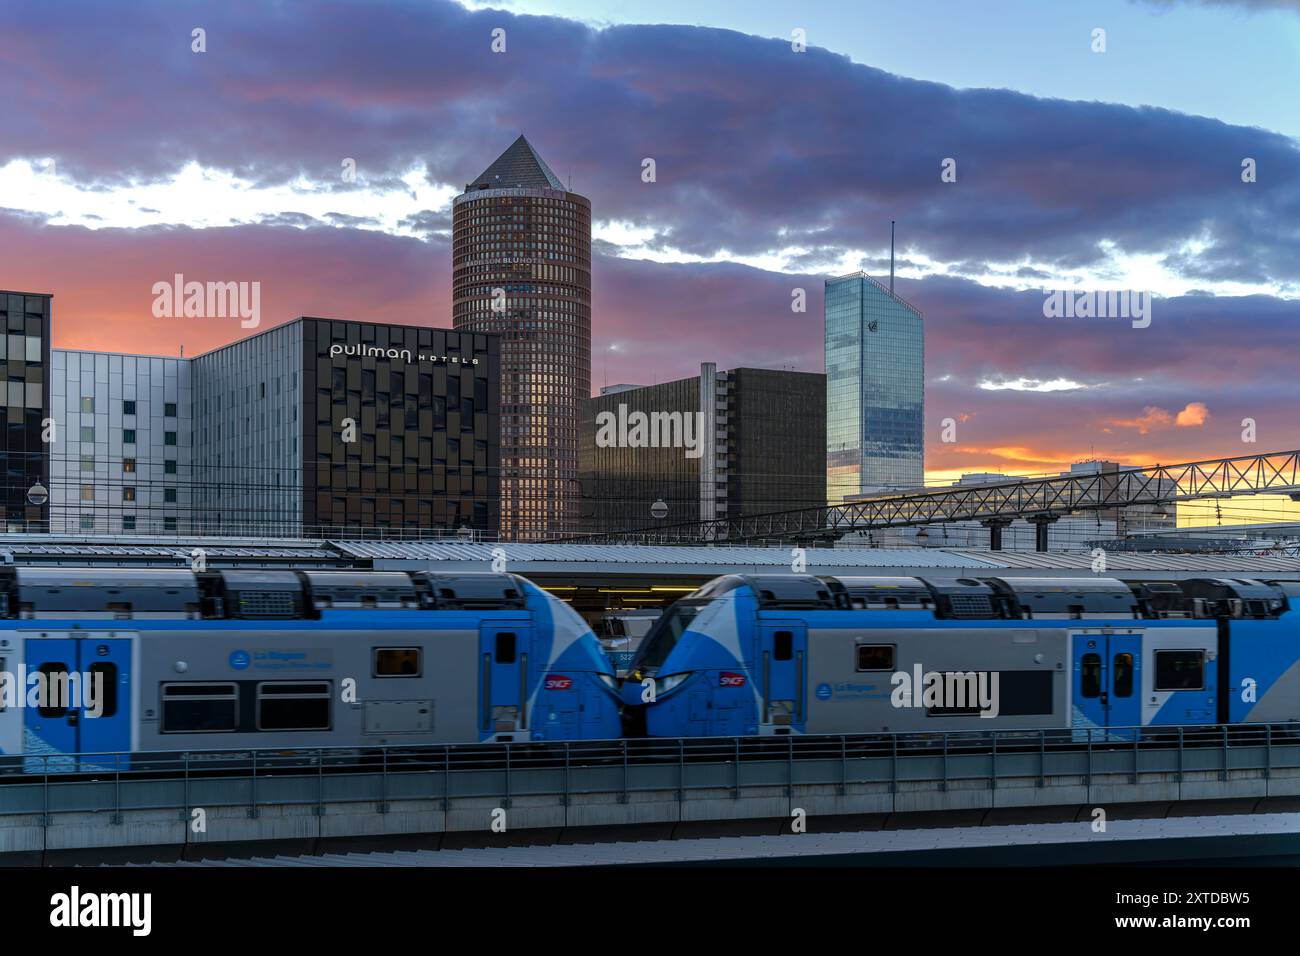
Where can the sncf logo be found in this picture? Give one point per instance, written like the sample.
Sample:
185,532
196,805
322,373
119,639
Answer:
728,679
558,682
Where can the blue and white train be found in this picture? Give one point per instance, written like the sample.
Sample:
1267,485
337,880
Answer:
144,661
795,654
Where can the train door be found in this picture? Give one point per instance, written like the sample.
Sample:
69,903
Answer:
51,726
783,665
105,722
83,704
503,692
1108,679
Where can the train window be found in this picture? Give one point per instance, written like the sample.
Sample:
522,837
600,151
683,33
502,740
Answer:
1090,675
1024,693
193,708
1016,694
1180,670
293,705
505,648
783,646
103,684
397,662
875,657
1122,675
663,636
52,689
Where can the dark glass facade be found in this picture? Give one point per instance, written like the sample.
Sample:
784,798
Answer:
761,438
620,484
425,406
521,268
25,350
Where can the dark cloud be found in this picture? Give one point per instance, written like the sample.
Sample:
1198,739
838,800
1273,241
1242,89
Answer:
1236,355
757,148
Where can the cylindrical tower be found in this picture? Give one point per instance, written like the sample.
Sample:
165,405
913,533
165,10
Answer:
521,268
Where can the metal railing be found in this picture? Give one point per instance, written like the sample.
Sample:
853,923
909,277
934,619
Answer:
1040,499
677,768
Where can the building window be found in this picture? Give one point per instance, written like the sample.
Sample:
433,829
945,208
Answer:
87,522
169,495
128,493
169,409
87,404
169,438
128,465
87,492
169,524
128,522
87,432
169,466
128,436
128,407
87,462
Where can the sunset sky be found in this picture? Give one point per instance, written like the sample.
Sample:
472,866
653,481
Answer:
125,158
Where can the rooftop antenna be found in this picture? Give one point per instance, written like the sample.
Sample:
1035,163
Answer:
891,257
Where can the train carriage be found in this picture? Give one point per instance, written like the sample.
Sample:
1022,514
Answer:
773,655
111,661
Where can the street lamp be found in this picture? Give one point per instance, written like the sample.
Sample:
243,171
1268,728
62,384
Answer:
38,494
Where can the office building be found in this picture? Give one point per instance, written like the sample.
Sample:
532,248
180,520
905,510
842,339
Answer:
317,426
122,458
719,445
25,350
875,389
521,268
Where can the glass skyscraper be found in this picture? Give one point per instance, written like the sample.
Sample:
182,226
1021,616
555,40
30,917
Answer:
875,389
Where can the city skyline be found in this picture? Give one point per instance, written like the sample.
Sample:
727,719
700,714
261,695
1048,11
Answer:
701,263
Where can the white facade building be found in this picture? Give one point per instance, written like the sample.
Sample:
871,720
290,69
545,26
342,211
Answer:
121,460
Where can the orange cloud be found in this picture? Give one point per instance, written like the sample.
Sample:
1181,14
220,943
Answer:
1150,418
1194,414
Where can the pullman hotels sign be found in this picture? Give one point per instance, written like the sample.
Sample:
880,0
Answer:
374,351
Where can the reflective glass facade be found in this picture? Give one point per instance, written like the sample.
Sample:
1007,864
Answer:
25,352
767,436
875,389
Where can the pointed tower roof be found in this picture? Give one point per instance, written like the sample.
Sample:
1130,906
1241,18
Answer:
517,166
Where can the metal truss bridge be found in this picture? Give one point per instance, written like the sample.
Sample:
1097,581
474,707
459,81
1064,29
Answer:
1038,500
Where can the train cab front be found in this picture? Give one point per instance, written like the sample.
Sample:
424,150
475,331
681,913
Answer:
690,677
647,681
